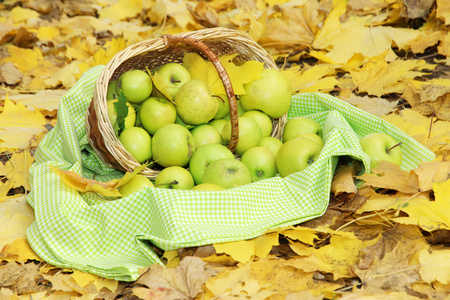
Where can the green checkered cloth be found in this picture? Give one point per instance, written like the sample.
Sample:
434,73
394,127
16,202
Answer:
114,238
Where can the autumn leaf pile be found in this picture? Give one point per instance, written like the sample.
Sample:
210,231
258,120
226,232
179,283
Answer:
385,235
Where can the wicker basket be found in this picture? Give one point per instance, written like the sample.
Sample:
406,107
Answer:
154,53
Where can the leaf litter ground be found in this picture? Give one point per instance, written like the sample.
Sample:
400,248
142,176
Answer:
384,234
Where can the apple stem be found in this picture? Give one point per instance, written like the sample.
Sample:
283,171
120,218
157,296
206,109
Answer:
217,96
396,145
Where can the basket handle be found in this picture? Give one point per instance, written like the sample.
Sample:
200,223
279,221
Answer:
171,40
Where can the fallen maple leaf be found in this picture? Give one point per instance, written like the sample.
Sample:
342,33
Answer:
435,266
376,106
182,282
343,182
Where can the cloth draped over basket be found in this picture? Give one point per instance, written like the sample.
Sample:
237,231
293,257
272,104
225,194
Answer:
113,238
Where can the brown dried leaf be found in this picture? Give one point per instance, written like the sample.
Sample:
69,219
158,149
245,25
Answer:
182,282
9,74
21,278
343,182
389,176
418,8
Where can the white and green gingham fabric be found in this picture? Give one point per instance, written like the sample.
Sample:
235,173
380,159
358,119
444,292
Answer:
113,238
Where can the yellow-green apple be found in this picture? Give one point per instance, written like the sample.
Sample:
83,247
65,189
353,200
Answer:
194,103
271,143
298,125
263,120
207,187
174,177
240,111
381,146
138,142
296,155
227,173
250,134
174,76
130,119
135,184
155,113
311,136
206,134
173,145
136,85
111,92
218,124
224,106
270,94
260,162
203,156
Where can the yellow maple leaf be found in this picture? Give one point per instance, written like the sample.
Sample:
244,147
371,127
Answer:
443,11
79,183
243,251
435,266
379,77
204,70
25,60
429,215
15,170
318,78
20,14
343,182
47,33
19,251
121,10
65,76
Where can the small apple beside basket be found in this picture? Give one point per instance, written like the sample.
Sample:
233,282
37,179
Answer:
149,54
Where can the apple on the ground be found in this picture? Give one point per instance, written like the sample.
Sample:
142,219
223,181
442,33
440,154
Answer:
299,125
207,187
271,143
174,76
136,85
260,162
203,156
227,173
155,113
174,177
135,184
250,134
206,134
296,155
271,94
381,146
138,142
173,145
194,102
262,119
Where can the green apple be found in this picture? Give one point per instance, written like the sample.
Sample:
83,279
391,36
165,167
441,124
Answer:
271,94
203,156
298,125
174,177
240,111
263,121
155,113
111,93
311,136
218,124
381,147
173,145
194,103
296,155
224,106
135,184
174,76
206,134
207,187
130,119
260,162
271,143
227,173
250,134
138,142
136,85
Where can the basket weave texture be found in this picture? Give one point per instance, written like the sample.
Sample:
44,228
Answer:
150,54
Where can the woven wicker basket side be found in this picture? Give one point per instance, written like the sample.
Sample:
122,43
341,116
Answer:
151,54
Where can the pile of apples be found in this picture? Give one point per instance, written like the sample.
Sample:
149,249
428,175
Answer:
187,135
